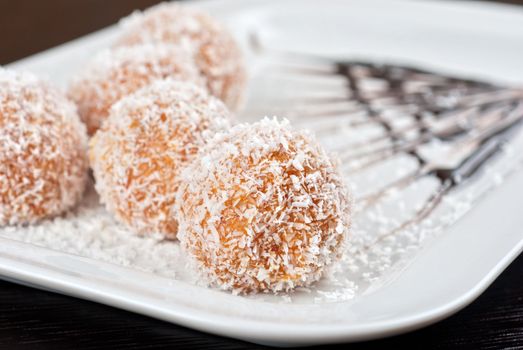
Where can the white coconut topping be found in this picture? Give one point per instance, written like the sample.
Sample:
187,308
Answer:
43,162
262,209
215,51
148,138
113,74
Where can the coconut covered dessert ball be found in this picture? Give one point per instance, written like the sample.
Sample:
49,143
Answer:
43,150
113,74
218,57
262,209
140,150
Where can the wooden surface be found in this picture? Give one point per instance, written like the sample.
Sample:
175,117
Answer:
33,319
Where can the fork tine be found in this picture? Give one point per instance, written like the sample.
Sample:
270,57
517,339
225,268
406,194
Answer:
421,214
460,112
400,184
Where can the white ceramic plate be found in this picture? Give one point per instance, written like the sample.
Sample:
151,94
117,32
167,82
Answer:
447,273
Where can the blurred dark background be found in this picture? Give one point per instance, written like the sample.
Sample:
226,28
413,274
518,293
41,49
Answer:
30,26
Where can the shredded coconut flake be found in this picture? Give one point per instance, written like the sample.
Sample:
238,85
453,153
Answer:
148,138
218,57
274,226
43,162
116,73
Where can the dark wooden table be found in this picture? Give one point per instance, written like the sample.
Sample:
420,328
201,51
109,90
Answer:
33,319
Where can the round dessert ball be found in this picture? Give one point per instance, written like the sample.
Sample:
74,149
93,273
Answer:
215,51
262,209
116,73
140,150
43,150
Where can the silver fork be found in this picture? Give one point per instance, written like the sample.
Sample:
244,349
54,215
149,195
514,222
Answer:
475,118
